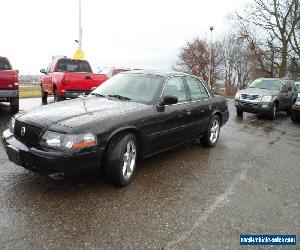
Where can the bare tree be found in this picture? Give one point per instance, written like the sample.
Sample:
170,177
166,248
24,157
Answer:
238,63
194,59
270,28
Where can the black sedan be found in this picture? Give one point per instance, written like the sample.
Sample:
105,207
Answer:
131,116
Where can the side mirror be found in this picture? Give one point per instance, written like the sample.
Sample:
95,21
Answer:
169,100
43,71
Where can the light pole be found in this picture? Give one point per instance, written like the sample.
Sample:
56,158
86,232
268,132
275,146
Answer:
80,28
210,56
79,55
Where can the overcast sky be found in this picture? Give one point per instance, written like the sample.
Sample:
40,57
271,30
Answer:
129,33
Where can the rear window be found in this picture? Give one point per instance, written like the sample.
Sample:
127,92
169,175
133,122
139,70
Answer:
4,64
67,65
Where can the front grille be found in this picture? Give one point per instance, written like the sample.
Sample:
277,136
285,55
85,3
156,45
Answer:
250,97
31,136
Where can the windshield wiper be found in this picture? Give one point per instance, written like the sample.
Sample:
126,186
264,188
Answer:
120,97
97,94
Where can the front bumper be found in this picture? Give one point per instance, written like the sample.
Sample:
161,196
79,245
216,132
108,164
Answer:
49,163
75,93
6,94
253,107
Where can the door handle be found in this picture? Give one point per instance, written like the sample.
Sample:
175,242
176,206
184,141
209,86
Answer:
188,112
88,78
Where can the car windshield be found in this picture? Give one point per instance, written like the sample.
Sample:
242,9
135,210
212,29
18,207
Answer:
297,85
266,84
68,65
4,64
135,87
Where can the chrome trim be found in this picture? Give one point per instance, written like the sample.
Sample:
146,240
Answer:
179,103
257,100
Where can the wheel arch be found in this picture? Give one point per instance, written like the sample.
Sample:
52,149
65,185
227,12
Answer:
124,130
218,113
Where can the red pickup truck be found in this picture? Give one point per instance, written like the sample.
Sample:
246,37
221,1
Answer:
68,78
9,85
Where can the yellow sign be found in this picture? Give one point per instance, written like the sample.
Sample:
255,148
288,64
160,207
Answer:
79,55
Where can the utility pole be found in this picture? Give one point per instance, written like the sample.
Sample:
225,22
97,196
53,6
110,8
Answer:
210,57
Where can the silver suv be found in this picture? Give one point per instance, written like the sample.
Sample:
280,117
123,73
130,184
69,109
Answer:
266,96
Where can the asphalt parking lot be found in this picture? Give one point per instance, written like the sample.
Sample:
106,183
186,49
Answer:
189,197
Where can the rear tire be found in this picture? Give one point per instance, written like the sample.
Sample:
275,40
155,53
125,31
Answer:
289,111
293,118
58,98
212,134
14,105
120,160
239,112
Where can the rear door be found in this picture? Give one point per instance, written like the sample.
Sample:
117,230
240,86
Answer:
284,99
200,105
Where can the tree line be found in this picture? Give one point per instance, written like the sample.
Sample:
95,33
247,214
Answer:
264,42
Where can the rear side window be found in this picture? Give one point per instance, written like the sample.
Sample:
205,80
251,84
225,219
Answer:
197,90
175,86
67,65
4,64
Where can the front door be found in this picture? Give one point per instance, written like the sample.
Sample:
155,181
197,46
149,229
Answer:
172,119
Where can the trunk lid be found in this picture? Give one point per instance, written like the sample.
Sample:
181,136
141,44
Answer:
83,81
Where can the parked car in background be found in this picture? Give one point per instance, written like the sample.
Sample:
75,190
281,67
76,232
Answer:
68,78
266,96
9,85
297,86
295,115
112,71
133,115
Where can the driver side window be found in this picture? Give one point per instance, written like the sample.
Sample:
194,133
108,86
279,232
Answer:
175,87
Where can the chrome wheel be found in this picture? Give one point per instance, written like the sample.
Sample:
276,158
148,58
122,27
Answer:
129,160
214,131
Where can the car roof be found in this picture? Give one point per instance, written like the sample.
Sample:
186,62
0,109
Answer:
163,73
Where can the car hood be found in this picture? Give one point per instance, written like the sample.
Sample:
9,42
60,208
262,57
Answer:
77,112
259,91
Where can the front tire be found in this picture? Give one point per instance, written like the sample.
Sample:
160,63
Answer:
44,97
211,136
273,111
120,160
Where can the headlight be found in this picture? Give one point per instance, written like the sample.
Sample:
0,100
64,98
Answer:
267,98
68,142
12,124
237,96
